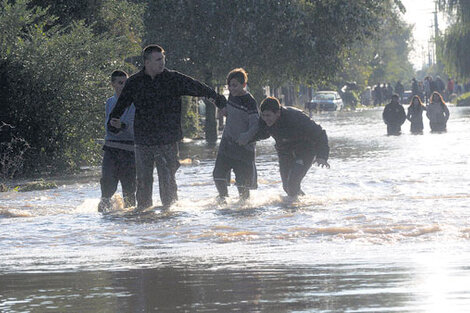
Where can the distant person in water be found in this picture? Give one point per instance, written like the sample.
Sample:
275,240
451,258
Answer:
437,113
394,116
156,94
299,142
415,115
235,151
118,158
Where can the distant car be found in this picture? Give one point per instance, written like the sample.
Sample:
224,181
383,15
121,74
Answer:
327,101
406,97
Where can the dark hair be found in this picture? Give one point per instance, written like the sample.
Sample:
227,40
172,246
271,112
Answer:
117,74
148,50
419,100
440,98
270,103
395,95
239,74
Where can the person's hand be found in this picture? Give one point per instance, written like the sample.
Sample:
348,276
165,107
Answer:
220,101
115,122
322,162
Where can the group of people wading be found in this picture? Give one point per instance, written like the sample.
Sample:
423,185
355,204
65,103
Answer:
143,128
437,112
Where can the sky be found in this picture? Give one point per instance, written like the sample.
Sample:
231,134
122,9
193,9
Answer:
420,14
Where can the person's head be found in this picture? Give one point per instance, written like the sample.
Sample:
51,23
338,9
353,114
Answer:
154,59
118,79
270,110
236,81
395,98
437,98
416,101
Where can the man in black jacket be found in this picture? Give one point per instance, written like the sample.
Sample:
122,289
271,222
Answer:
156,94
299,142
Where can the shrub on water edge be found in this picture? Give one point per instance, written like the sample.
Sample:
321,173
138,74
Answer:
463,100
54,83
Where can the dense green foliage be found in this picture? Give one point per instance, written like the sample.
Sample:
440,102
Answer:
463,100
301,41
55,80
456,41
384,58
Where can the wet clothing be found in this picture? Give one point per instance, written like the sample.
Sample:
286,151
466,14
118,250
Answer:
165,158
415,116
118,159
245,175
118,166
157,127
438,115
241,125
298,141
394,116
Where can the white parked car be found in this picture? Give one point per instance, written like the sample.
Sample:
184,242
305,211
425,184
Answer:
327,101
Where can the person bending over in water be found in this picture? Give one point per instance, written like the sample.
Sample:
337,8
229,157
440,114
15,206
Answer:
299,142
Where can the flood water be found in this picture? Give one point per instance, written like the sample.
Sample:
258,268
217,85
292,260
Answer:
385,229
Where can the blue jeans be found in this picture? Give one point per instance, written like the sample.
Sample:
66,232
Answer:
165,158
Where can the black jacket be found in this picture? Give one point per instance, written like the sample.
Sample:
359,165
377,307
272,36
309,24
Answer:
394,114
158,104
295,132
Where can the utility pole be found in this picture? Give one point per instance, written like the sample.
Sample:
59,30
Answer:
436,29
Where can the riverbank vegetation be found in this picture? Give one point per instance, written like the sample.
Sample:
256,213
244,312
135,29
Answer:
55,60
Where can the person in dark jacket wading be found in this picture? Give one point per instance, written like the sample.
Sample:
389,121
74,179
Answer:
394,116
299,142
156,94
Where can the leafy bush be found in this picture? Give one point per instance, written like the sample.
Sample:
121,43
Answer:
463,100
55,82
190,118
12,150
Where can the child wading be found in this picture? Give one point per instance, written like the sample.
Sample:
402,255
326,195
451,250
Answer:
118,159
235,152
299,142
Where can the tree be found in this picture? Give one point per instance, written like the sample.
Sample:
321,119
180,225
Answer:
276,42
55,81
382,57
456,41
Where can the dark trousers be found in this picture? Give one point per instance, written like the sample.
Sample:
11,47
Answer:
438,127
416,127
165,158
393,130
245,175
293,169
118,166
